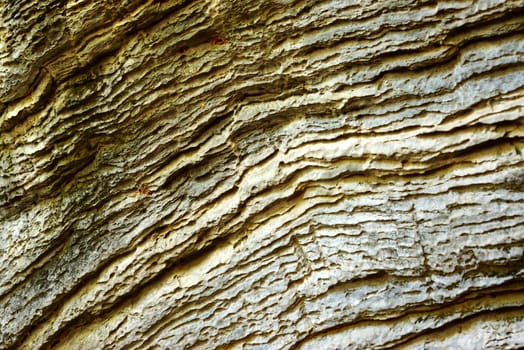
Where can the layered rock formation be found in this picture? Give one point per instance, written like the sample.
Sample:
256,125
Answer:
261,174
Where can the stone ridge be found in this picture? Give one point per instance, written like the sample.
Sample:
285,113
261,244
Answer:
282,174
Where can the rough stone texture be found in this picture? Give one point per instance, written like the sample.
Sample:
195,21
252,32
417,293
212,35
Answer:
272,174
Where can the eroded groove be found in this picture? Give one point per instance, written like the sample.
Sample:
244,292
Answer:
486,297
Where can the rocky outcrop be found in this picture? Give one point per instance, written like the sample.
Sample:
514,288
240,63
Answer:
261,174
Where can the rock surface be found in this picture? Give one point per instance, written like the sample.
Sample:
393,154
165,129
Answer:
281,174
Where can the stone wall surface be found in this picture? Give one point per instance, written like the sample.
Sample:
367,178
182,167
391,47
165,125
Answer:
280,174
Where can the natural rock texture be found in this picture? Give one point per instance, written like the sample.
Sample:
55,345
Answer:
261,174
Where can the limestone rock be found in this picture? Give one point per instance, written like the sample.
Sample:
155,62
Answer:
281,174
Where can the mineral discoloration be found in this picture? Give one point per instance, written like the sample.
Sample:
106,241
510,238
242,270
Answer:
279,174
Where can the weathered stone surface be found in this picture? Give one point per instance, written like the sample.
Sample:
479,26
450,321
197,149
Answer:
261,174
